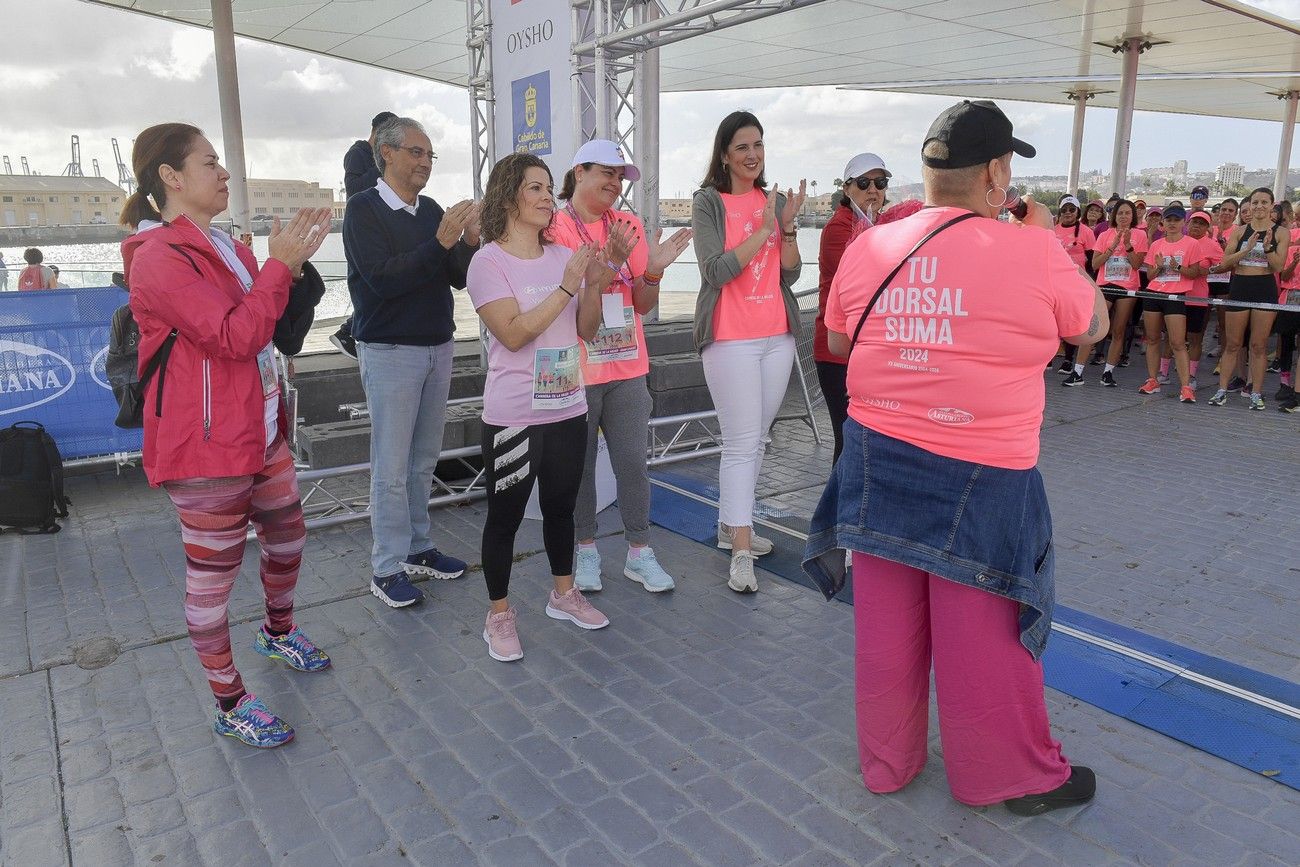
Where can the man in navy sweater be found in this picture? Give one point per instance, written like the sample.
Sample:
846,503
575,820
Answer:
404,256
359,174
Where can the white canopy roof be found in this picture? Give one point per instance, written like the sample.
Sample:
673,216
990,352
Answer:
1038,50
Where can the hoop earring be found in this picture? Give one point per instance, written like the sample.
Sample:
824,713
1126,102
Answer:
1002,200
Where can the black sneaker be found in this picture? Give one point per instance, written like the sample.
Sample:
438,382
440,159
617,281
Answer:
1123,360
342,339
1079,789
1274,367
1108,379
1097,358
1073,379
434,564
1067,366
1292,404
1237,384
1284,392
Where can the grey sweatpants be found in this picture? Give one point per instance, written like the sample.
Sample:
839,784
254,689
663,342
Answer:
622,410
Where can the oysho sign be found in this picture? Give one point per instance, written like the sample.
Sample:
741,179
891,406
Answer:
532,100
31,375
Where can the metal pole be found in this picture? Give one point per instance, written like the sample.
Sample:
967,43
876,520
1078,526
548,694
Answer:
1292,98
232,124
600,10
646,73
1131,50
1080,98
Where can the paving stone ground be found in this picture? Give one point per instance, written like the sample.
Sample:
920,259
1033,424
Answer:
702,727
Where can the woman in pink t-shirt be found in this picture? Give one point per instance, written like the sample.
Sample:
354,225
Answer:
1119,253
1174,261
614,365
947,318
538,300
745,320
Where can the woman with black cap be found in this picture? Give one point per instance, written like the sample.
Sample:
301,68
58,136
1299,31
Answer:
937,494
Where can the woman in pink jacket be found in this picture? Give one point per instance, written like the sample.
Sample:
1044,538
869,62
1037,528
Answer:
214,418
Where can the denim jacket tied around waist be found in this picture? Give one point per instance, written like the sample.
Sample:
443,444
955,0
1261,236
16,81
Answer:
986,527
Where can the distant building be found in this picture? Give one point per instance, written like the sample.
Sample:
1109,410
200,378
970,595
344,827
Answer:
54,200
283,198
1230,174
675,210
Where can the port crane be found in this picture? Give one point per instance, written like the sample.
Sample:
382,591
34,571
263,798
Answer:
124,177
73,169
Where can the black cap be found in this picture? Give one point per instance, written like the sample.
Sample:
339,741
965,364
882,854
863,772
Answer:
1175,212
1201,192
380,118
975,132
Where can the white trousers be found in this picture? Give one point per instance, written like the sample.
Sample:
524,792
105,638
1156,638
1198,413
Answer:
747,380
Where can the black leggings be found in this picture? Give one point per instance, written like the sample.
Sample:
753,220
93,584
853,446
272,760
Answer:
513,457
834,388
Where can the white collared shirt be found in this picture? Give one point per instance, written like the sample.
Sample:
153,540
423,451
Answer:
394,201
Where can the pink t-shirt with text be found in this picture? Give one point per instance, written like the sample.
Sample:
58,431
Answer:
1292,255
1184,252
951,359
1079,244
540,382
616,353
1118,270
751,305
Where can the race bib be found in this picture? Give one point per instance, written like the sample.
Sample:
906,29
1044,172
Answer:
1225,277
266,369
1168,270
1256,258
557,383
1118,269
616,341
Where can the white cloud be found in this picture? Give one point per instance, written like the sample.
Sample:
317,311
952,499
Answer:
189,51
314,77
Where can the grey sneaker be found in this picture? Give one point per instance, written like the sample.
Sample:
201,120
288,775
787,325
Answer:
742,578
586,573
758,545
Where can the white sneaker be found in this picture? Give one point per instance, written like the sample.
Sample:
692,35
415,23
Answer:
742,578
758,545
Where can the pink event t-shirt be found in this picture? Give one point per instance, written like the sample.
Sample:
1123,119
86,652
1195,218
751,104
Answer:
541,382
751,305
1118,270
616,353
1184,252
951,359
1212,255
1292,254
1077,244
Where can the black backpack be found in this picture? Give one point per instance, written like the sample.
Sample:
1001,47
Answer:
31,479
123,361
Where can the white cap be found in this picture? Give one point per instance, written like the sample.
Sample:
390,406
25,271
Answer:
1069,200
604,152
863,163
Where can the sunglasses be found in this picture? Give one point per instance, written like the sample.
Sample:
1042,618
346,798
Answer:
865,183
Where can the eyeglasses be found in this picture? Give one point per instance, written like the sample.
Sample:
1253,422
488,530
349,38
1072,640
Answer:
418,153
865,183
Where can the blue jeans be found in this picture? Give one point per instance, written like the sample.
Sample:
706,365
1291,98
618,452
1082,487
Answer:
406,390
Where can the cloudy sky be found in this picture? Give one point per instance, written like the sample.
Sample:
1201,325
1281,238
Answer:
69,67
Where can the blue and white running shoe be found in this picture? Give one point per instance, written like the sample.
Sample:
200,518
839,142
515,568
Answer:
293,648
253,724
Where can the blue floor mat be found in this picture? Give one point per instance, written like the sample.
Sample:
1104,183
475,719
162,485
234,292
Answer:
1252,736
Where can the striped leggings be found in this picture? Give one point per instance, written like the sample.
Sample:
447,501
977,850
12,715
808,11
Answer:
214,516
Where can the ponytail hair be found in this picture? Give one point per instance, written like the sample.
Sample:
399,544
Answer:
166,144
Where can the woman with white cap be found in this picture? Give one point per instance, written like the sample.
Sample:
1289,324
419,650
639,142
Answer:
615,363
860,208
746,318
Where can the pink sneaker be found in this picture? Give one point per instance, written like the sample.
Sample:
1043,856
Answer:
574,606
501,636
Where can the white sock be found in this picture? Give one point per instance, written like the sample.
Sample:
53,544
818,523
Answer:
1078,368
1110,368
586,546
634,552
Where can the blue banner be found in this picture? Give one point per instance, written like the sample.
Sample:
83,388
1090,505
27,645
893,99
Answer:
531,114
52,349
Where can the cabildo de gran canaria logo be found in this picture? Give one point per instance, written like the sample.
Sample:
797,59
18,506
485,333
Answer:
31,375
530,106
